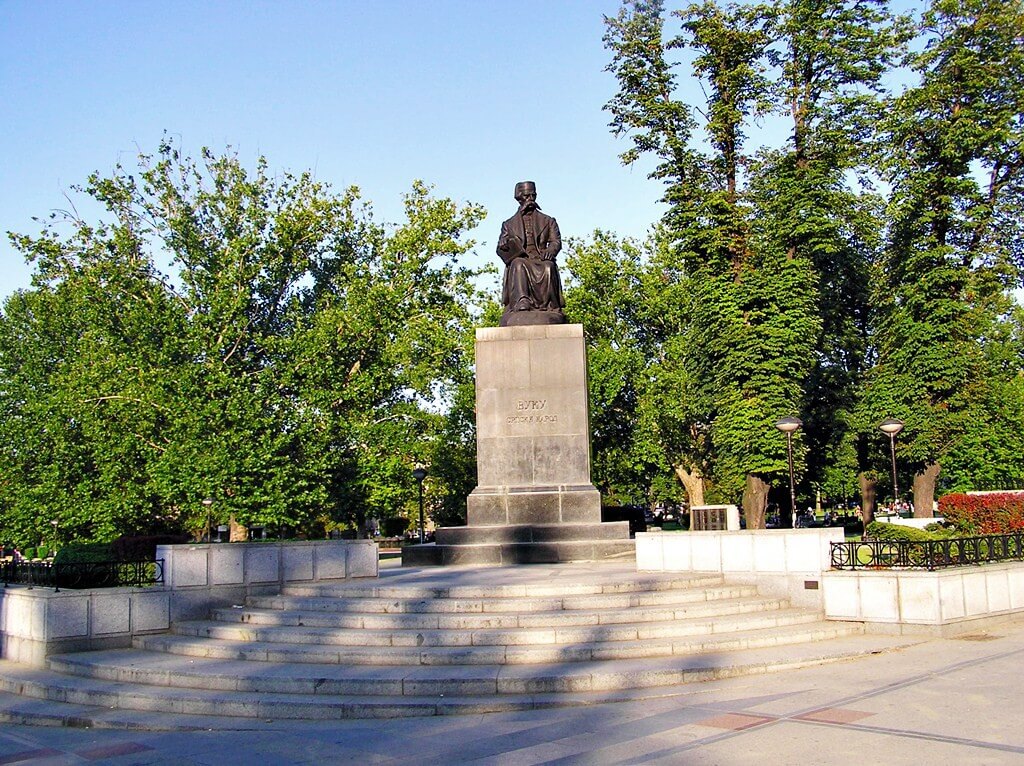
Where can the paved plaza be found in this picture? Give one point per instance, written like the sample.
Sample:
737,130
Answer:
940,701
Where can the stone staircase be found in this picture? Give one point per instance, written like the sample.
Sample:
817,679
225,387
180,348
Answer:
413,644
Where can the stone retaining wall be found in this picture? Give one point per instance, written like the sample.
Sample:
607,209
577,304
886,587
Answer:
36,621
781,562
943,602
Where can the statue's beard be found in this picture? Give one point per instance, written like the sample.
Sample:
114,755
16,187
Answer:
529,207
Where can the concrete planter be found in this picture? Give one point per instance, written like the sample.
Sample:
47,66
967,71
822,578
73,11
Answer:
942,602
781,562
36,622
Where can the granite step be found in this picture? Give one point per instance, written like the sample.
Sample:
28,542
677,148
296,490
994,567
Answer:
157,669
515,554
490,620
513,688
424,639
465,605
637,583
806,629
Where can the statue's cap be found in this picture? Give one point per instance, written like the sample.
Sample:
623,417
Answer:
525,185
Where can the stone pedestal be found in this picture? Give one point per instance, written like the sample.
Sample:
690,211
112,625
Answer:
534,501
533,428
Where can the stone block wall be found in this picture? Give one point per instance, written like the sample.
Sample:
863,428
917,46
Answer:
943,602
36,622
781,562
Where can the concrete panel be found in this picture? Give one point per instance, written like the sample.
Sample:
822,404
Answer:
188,566
706,552
332,562
975,593
770,553
919,599
1015,580
650,554
677,552
262,563
111,613
808,553
67,616
226,564
841,593
951,597
297,563
362,560
997,587
737,553
151,611
24,615
879,598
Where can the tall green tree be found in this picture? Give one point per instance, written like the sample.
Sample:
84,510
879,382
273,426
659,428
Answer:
771,248
289,368
954,240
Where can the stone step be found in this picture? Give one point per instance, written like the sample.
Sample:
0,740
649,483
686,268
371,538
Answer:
156,669
604,601
513,554
575,635
532,533
636,583
765,632
509,689
490,620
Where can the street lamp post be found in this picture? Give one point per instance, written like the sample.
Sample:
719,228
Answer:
891,426
420,473
208,504
788,426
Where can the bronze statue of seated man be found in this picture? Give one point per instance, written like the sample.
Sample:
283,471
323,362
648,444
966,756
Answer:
528,244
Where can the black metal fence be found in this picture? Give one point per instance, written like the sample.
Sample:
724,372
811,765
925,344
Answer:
92,574
927,554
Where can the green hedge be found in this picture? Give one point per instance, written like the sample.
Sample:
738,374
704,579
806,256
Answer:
394,526
84,553
143,547
878,530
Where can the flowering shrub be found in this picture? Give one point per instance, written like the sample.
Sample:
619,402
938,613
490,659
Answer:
997,513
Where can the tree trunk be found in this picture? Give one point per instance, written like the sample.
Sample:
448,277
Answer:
868,497
693,483
755,500
924,491
361,520
236,532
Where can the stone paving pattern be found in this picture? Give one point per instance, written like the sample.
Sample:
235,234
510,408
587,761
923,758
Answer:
943,701
940,701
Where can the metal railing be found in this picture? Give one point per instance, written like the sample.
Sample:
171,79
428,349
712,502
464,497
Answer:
92,574
927,554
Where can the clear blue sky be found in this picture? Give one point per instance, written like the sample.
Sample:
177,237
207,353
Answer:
468,95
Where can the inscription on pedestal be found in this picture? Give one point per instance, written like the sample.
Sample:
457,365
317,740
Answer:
531,411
